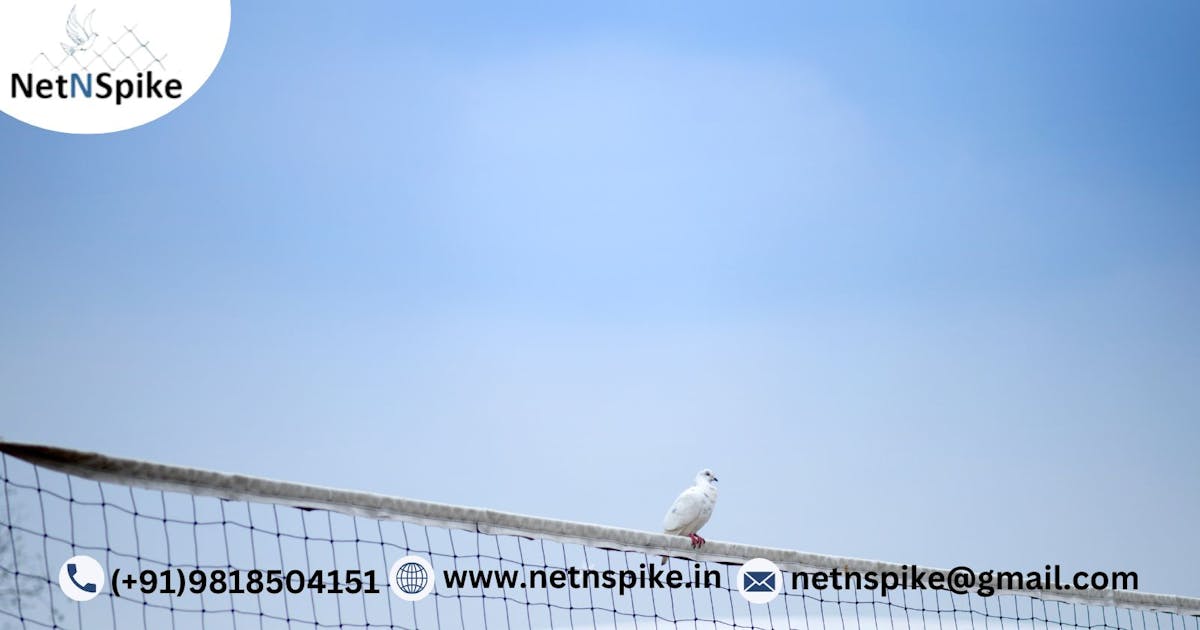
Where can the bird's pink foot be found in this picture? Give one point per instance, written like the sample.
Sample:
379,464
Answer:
697,541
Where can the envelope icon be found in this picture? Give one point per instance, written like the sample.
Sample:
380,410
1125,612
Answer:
759,582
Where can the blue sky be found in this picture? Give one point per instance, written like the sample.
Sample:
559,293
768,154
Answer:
920,284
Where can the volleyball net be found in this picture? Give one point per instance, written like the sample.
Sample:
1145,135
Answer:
199,549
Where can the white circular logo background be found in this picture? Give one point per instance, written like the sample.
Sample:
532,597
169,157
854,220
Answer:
407,590
81,578
760,581
45,39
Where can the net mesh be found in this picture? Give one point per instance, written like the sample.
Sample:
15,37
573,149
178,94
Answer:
126,52
47,517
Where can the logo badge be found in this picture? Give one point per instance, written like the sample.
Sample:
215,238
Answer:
411,578
99,66
81,578
760,581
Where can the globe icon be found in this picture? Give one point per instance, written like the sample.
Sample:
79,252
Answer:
411,577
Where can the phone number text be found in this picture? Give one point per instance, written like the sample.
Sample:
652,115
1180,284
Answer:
178,581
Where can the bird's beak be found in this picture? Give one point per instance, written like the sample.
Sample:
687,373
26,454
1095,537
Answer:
715,479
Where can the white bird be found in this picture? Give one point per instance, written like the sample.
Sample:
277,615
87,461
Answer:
81,35
693,508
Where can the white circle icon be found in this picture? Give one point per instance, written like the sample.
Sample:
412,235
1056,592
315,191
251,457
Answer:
411,578
81,578
760,581
99,66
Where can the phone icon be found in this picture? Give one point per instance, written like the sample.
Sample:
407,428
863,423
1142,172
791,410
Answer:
72,569
81,578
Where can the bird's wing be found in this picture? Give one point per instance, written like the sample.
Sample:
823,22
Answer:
87,24
74,30
684,512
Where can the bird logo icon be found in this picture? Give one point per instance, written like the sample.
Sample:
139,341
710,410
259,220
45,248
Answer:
81,34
